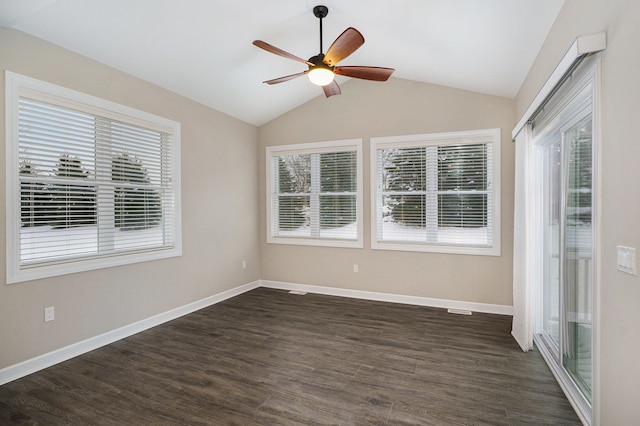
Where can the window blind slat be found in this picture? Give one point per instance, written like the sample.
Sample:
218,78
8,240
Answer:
434,194
314,194
89,185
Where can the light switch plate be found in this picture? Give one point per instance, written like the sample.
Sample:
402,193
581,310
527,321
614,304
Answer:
627,260
49,314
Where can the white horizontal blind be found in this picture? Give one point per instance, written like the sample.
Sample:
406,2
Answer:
315,194
435,192
90,186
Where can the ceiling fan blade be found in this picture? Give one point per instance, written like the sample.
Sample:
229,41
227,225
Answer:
346,43
331,89
272,49
285,78
365,73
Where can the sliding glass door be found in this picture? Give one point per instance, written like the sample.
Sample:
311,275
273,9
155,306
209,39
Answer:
551,237
564,149
577,285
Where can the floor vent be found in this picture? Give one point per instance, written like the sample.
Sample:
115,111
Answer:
459,311
298,292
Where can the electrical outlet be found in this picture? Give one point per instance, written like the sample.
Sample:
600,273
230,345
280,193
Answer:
49,314
626,260
244,264
355,268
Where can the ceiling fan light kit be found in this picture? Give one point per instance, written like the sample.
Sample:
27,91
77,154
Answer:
322,67
320,76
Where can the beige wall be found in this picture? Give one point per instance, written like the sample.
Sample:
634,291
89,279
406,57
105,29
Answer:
397,107
619,152
91,303
216,150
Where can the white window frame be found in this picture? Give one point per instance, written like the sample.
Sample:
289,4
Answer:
438,139
315,147
17,85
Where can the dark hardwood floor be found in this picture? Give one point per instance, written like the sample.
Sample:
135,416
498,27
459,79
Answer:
268,357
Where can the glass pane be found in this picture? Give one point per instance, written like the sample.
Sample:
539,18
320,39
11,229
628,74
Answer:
338,172
137,208
403,169
578,270
43,243
294,174
462,219
294,216
36,206
551,204
462,210
462,167
404,218
338,217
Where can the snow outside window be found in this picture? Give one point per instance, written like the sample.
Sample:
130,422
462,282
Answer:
314,194
437,192
90,183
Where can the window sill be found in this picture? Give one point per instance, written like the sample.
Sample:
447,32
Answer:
46,271
432,248
315,242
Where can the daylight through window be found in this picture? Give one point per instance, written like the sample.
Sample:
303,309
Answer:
437,192
91,184
315,194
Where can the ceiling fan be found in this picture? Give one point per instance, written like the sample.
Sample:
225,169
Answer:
322,67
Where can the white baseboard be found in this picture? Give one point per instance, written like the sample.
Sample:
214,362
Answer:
27,367
393,298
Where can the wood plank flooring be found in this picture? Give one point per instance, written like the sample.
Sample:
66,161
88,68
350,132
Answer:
268,357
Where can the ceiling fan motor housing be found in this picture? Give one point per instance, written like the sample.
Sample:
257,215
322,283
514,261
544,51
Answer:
318,62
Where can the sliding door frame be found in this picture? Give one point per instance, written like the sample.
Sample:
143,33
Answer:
588,78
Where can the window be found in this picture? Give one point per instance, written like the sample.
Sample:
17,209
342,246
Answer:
315,194
437,192
91,184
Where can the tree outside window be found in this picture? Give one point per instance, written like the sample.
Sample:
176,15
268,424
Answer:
436,192
314,194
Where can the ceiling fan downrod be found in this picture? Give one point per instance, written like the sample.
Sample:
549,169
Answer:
320,12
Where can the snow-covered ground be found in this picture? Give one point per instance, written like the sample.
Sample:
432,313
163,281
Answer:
44,242
393,231
347,232
397,232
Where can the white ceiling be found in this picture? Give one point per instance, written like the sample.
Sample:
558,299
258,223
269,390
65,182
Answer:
202,48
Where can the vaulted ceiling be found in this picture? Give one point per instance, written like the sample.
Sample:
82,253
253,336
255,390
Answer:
202,48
